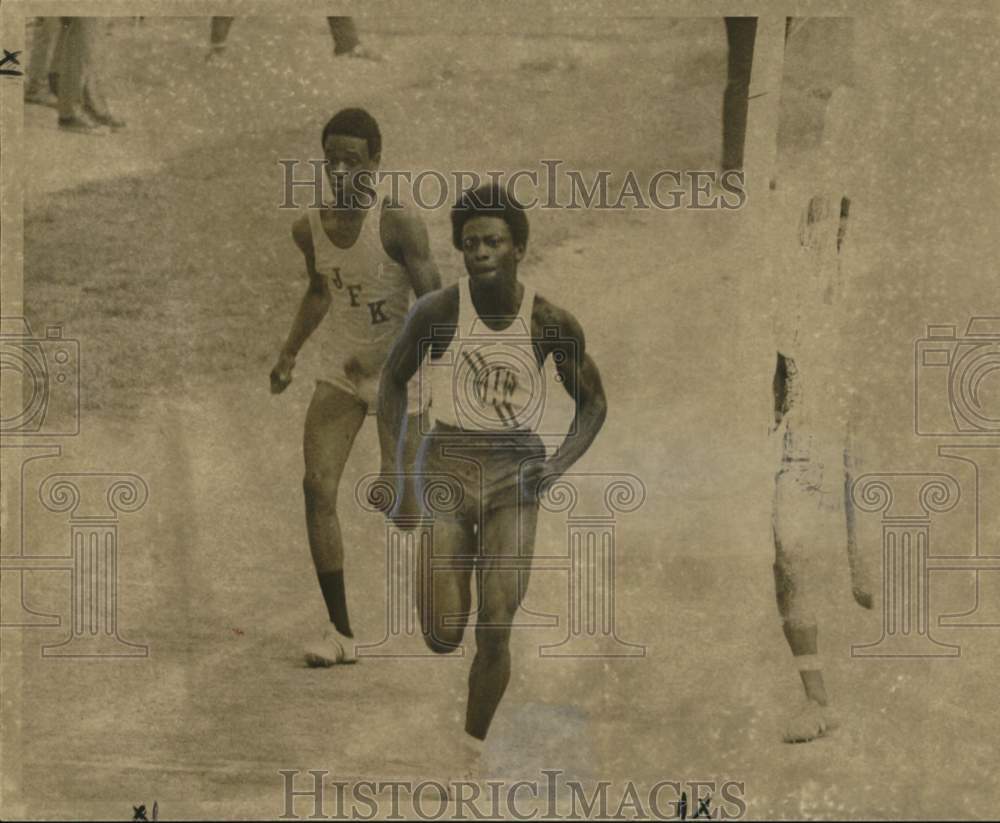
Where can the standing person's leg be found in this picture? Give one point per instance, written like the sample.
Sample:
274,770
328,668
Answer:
345,34
57,54
740,35
798,524
94,101
346,41
332,422
76,48
218,34
40,59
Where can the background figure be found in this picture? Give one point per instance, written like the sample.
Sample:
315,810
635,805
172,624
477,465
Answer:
82,107
740,33
813,403
41,82
345,35
217,36
343,30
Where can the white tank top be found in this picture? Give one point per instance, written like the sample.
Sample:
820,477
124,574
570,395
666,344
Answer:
486,380
370,291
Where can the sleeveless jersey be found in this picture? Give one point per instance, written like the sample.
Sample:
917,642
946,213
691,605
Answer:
486,380
370,294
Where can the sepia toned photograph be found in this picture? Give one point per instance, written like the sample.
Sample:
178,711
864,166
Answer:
499,411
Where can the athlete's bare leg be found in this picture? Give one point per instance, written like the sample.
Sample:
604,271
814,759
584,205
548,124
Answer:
796,504
333,420
507,532
444,595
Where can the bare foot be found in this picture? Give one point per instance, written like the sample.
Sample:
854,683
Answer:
809,722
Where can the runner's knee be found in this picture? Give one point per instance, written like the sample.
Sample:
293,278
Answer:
492,641
320,488
443,640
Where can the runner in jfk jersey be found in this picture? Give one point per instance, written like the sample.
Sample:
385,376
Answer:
488,338
365,258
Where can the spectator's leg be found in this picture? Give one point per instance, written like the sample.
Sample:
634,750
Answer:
345,34
220,30
346,42
77,55
57,55
218,35
740,33
94,101
73,56
45,36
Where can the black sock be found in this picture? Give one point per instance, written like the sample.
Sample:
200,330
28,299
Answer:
332,585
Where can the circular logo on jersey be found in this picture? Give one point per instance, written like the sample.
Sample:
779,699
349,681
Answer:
498,386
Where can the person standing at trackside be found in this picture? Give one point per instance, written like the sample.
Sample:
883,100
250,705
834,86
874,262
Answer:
814,406
346,42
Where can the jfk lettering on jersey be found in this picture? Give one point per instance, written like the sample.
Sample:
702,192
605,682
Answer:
494,385
376,308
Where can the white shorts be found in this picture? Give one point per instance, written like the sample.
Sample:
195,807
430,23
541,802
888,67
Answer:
365,389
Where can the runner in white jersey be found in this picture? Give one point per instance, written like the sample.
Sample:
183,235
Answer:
370,293
365,258
488,338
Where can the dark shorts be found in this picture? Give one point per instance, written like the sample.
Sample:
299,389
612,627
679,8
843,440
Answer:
467,475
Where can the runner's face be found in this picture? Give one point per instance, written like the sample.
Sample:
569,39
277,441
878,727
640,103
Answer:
489,250
346,158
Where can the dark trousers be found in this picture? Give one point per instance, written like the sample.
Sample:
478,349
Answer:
79,85
740,32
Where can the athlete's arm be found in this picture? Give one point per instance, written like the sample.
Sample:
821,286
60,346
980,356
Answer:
582,380
408,244
435,309
312,309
